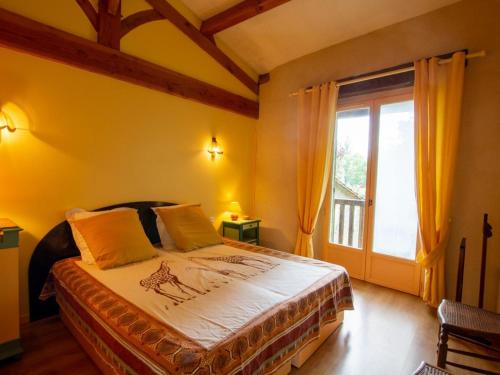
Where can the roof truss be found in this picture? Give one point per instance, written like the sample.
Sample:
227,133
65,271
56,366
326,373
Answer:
129,23
238,13
111,28
21,33
90,12
207,44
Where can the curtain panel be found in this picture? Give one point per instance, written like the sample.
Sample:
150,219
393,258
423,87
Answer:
316,125
438,97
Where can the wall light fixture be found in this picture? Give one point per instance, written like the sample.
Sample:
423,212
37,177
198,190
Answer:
214,149
6,122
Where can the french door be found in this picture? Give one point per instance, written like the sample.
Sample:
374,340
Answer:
370,208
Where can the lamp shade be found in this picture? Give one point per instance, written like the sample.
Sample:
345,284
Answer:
235,207
215,149
6,122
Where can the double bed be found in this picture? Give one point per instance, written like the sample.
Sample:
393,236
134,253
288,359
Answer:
232,308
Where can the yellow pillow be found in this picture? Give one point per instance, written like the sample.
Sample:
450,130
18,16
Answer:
115,238
189,227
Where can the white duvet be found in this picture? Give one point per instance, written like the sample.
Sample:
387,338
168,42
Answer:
209,294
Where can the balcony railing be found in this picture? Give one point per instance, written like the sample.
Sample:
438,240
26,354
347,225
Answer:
347,228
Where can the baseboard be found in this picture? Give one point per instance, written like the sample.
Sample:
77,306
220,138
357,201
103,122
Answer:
10,349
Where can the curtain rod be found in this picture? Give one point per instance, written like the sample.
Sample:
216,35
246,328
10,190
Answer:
392,72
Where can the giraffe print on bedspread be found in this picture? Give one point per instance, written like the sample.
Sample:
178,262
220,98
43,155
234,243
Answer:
164,276
228,273
244,260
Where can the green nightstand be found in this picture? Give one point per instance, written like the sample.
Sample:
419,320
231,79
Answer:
10,344
242,230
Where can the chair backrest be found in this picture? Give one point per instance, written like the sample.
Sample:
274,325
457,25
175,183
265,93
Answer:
460,273
487,233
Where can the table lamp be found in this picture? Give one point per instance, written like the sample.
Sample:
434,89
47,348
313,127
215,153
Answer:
235,210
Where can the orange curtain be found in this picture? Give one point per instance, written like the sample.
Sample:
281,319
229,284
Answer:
438,98
317,109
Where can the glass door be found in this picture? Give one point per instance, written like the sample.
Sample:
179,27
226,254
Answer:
395,211
372,216
349,188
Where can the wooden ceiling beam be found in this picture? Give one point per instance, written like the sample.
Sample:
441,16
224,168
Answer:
171,14
90,12
109,32
238,13
114,7
29,36
264,78
137,19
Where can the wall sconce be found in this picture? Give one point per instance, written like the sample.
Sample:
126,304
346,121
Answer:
6,122
214,149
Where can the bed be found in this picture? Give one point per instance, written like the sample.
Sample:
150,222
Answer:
232,308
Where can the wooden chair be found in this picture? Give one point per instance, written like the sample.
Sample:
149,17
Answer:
468,323
426,369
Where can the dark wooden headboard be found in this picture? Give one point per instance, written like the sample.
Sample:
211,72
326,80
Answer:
59,244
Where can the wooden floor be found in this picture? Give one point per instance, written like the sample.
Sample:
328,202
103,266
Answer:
388,333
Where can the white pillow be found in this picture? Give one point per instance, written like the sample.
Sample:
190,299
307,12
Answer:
76,214
167,242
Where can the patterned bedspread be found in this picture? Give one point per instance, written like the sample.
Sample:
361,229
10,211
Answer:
227,309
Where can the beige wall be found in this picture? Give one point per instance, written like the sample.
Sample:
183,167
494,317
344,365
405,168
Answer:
471,24
86,140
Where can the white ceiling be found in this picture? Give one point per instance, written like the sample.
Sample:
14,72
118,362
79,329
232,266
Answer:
300,27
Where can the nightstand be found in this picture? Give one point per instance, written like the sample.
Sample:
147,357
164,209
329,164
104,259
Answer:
242,230
9,292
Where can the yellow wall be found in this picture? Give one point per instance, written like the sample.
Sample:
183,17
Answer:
469,24
90,141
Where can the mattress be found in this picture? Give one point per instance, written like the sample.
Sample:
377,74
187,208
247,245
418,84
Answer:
227,309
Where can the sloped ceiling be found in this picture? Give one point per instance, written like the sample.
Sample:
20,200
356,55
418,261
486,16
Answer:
300,27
